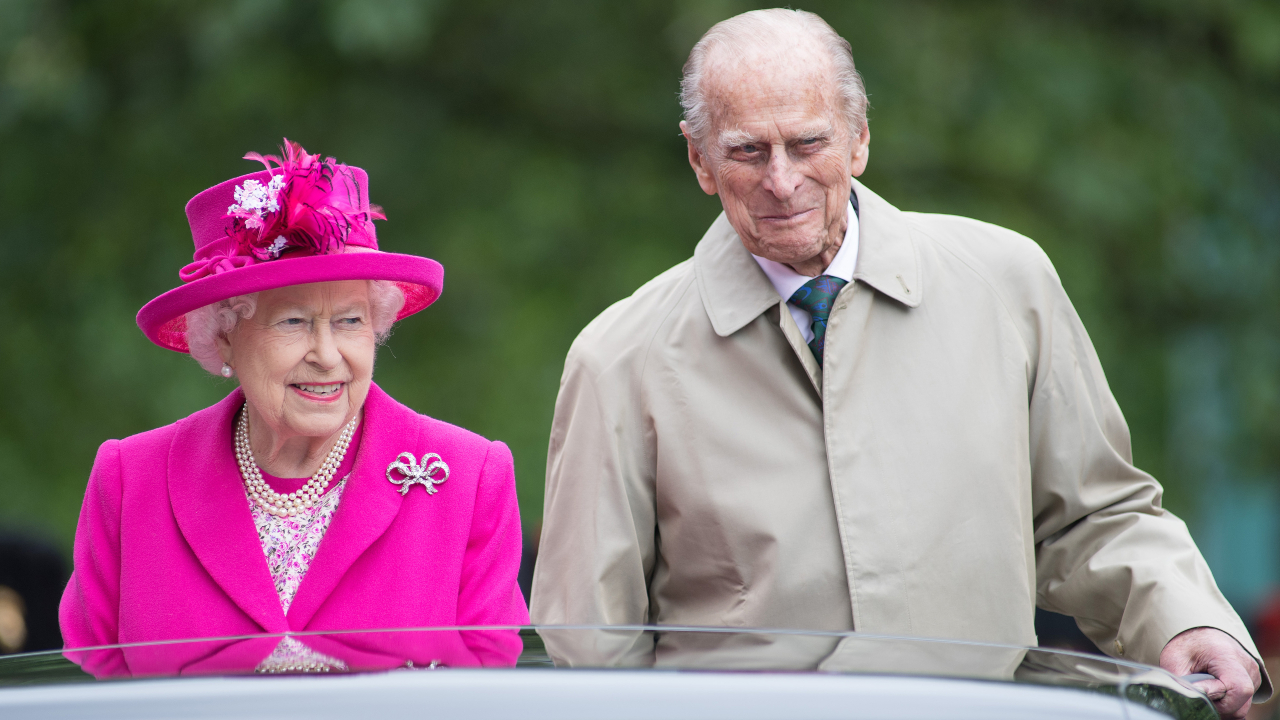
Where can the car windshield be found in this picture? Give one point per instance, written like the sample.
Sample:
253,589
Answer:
754,653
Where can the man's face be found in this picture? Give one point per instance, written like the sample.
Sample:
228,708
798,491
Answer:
780,155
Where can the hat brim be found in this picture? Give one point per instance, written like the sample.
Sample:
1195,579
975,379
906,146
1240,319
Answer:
163,320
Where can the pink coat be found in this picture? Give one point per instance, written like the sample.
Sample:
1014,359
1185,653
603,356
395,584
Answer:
166,547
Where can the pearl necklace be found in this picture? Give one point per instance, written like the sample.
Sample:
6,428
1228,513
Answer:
307,496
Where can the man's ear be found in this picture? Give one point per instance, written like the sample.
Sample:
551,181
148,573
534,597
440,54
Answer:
861,152
699,162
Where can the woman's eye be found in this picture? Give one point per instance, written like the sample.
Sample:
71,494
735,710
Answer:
351,321
750,148
293,322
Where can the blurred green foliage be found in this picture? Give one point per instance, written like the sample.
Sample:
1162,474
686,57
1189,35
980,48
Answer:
532,148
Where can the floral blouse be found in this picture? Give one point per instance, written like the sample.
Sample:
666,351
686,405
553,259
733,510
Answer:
291,542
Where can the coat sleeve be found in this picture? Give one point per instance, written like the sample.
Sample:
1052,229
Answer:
1107,553
488,593
90,610
598,548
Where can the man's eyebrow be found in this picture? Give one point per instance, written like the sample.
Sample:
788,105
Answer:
826,129
735,138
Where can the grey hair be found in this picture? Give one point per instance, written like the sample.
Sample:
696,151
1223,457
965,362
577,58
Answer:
762,26
205,325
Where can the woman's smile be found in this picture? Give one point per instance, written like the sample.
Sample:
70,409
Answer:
319,392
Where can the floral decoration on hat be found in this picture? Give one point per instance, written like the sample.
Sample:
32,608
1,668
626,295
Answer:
312,204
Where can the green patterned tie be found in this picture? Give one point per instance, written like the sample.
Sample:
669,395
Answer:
815,297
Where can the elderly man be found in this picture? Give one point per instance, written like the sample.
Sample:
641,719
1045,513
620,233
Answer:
838,415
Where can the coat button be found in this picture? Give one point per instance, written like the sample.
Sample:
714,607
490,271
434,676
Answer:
1119,647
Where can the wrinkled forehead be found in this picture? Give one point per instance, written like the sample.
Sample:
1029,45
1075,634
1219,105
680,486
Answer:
336,296
761,83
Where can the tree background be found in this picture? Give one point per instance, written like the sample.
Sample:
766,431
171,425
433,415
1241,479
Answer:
532,148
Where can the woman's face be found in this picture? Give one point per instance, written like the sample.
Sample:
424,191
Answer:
305,358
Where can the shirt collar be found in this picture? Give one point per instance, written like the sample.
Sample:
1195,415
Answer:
787,281
735,290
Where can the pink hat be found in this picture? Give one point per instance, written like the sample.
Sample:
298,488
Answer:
307,220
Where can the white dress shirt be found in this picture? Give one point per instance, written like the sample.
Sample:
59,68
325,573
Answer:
787,281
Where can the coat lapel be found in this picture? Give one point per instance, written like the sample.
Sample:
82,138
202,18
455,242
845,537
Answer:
209,504
369,503
734,289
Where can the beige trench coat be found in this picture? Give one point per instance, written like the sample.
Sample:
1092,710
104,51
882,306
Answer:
958,460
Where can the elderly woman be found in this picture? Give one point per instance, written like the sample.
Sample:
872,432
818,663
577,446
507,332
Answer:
308,499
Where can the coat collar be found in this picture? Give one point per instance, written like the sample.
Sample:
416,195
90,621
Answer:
208,500
736,291
888,259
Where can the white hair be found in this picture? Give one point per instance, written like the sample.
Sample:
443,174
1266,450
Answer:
205,325
760,27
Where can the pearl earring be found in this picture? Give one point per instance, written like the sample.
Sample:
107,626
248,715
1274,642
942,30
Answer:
227,371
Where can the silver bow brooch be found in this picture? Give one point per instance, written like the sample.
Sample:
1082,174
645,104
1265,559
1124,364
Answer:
414,473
